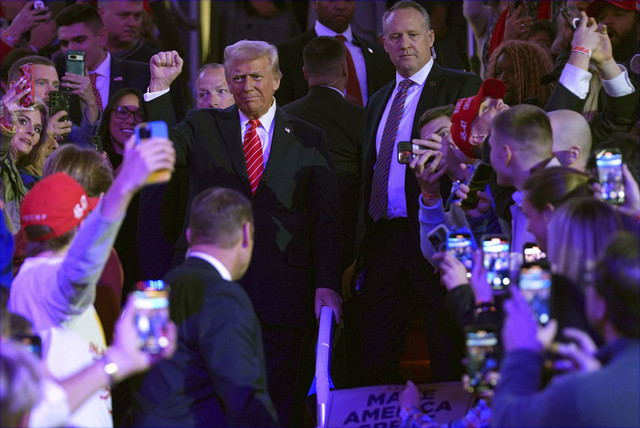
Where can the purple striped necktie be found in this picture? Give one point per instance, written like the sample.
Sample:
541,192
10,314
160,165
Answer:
379,195
253,154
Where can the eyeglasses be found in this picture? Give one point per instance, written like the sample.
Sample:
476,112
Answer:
123,112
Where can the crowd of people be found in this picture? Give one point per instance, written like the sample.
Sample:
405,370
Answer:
382,173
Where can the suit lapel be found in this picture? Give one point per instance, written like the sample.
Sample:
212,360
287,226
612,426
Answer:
428,96
229,127
283,138
116,80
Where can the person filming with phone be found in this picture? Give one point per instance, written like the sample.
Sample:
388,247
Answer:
604,388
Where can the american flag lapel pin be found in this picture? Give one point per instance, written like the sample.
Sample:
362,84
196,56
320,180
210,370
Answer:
287,130
117,79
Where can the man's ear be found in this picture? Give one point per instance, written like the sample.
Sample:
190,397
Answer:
188,235
304,71
103,35
247,234
508,155
574,154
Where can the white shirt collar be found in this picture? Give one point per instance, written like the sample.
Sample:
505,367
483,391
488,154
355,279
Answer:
322,30
104,69
266,121
420,77
222,269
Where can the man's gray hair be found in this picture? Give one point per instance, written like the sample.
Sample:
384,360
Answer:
249,50
406,4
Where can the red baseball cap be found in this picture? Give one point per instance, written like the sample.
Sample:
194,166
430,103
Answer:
595,6
57,201
466,111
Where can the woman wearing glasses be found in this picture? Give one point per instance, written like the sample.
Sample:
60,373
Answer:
119,119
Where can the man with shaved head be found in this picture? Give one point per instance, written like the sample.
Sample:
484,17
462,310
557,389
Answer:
571,138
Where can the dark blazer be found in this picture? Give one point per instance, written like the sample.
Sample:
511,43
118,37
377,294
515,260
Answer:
293,84
217,377
443,86
615,114
124,74
343,122
297,224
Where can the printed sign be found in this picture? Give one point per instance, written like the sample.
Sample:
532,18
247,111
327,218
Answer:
377,406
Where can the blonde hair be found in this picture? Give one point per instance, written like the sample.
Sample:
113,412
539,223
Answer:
579,232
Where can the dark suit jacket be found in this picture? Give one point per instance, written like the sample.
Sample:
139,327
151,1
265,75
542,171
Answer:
217,377
343,122
297,224
124,74
293,84
615,114
443,86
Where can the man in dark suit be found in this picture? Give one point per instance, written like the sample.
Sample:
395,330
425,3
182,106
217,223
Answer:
80,29
217,377
372,67
394,274
284,167
325,68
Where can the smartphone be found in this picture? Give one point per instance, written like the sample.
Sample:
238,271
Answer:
146,130
609,163
532,253
572,15
461,245
32,343
479,180
151,303
482,355
438,237
75,62
96,142
26,71
59,101
535,284
405,151
495,249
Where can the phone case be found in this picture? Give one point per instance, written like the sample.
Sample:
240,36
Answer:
75,62
59,101
27,71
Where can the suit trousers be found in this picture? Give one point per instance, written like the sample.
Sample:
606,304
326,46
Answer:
396,280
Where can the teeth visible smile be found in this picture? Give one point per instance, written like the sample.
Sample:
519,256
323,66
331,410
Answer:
128,131
26,141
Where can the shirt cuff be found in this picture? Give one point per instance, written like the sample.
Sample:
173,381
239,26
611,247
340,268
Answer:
576,80
150,96
620,85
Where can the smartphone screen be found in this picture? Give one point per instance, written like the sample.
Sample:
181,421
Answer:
461,245
152,313
26,71
535,284
609,162
496,261
482,355
532,253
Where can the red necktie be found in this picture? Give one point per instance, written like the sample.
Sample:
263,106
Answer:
93,77
353,85
253,154
379,194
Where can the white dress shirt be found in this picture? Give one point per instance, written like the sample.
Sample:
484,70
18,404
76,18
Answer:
397,204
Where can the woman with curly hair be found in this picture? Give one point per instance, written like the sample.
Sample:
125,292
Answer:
520,65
